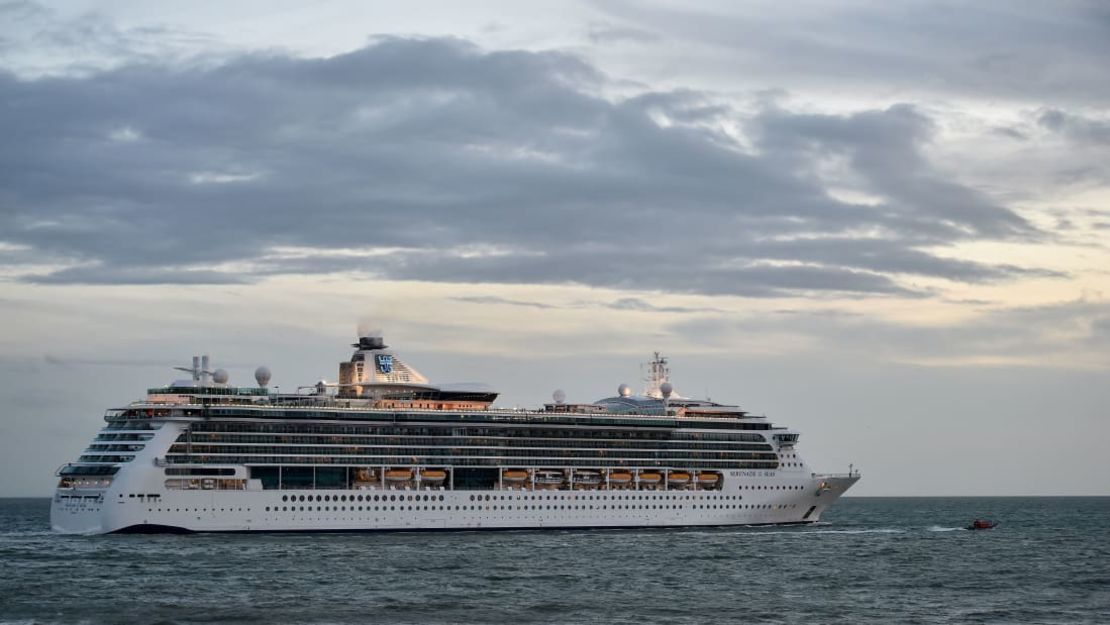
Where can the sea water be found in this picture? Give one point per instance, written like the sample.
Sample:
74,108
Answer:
870,560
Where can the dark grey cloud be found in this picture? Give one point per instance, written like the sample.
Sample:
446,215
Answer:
462,165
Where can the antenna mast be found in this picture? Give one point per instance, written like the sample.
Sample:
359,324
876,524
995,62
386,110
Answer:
658,374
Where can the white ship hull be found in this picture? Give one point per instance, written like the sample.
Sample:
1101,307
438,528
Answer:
741,501
202,456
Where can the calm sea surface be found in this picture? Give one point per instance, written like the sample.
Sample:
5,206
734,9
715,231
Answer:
869,561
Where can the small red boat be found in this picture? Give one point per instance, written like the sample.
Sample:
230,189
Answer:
982,524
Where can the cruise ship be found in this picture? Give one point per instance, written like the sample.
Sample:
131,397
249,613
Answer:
386,449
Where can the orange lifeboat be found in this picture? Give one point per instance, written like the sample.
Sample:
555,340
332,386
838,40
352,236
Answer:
397,477
650,479
433,477
708,479
514,477
678,478
620,479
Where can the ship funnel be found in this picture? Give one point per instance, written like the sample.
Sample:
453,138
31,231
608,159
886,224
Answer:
370,342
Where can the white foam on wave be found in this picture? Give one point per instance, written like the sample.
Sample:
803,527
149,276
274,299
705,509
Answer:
937,528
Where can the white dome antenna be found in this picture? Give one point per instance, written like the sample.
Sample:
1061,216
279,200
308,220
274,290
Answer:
624,390
262,376
219,376
560,396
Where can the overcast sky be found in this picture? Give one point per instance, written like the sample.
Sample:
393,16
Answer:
884,224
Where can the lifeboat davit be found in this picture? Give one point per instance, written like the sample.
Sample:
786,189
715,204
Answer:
982,524
678,478
549,478
587,479
365,476
650,479
433,477
398,476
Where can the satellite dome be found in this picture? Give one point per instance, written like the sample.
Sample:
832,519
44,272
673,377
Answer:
262,376
624,390
666,389
219,376
559,396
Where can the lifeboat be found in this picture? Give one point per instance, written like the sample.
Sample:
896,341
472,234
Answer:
396,477
549,478
708,479
587,479
514,477
364,476
433,477
678,478
619,479
650,479
982,524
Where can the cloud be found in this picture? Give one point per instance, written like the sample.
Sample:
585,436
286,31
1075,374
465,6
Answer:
625,303
37,41
637,304
1018,50
493,299
434,160
1075,127
1072,334
608,33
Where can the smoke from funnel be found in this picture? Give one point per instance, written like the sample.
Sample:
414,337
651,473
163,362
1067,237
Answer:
367,328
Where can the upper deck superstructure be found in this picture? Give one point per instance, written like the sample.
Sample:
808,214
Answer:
202,455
